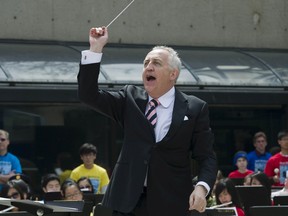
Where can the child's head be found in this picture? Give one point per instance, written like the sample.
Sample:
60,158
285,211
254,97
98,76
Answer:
283,140
88,154
71,191
50,183
247,180
261,178
85,184
283,135
225,192
16,189
240,160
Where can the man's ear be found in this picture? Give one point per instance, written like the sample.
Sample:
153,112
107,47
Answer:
174,74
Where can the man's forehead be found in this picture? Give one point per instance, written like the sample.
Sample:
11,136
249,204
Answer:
157,54
2,135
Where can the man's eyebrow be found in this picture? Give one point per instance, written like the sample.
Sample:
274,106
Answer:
153,59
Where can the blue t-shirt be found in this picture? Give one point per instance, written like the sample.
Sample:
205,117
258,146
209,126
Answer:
8,163
257,162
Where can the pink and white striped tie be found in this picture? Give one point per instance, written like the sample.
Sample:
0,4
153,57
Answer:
151,115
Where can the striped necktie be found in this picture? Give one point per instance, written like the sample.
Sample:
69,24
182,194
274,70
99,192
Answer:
151,115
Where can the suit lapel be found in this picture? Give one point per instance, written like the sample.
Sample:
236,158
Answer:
142,102
141,99
179,111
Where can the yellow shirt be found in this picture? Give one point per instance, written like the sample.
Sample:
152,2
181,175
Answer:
98,176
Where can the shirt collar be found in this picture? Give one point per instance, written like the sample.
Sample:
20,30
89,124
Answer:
166,99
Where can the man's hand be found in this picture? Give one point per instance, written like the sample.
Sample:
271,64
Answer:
197,199
98,38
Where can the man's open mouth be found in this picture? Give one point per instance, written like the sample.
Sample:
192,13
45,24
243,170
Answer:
150,78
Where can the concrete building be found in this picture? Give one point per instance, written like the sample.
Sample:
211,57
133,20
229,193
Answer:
212,23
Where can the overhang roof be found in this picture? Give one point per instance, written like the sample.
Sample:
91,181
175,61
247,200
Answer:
53,64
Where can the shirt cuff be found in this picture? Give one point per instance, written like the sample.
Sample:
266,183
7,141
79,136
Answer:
205,185
89,57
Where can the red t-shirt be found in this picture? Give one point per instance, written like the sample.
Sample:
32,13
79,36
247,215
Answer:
237,174
240,211
280,162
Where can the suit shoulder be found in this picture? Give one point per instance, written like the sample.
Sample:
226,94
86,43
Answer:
193,98
135,90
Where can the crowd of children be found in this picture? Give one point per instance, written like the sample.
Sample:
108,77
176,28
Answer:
257,168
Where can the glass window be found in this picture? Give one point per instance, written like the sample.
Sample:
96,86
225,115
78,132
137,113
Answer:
40,63
228,68
278,61
124,64
2,75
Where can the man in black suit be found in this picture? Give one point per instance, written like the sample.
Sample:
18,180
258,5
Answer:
152,176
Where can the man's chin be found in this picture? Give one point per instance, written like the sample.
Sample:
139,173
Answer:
149,87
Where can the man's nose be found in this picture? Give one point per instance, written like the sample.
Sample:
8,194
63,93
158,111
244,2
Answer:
149,66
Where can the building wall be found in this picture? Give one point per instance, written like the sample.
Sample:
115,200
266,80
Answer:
215,23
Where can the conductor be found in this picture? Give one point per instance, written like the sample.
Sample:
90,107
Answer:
163,129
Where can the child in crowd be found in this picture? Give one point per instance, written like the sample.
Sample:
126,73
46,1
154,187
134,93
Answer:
71,191
277,165
85,184
50,183
16,189
247,179
225,192
258,158
261,178
97,174
51,187
240,160
212,200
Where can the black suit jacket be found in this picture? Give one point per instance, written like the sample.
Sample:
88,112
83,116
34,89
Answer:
169,182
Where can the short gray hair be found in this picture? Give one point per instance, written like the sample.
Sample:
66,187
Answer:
5,133
174,60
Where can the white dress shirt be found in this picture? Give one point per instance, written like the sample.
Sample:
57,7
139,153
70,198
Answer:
164,113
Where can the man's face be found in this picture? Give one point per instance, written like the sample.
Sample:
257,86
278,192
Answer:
158,77
4,142
260,144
